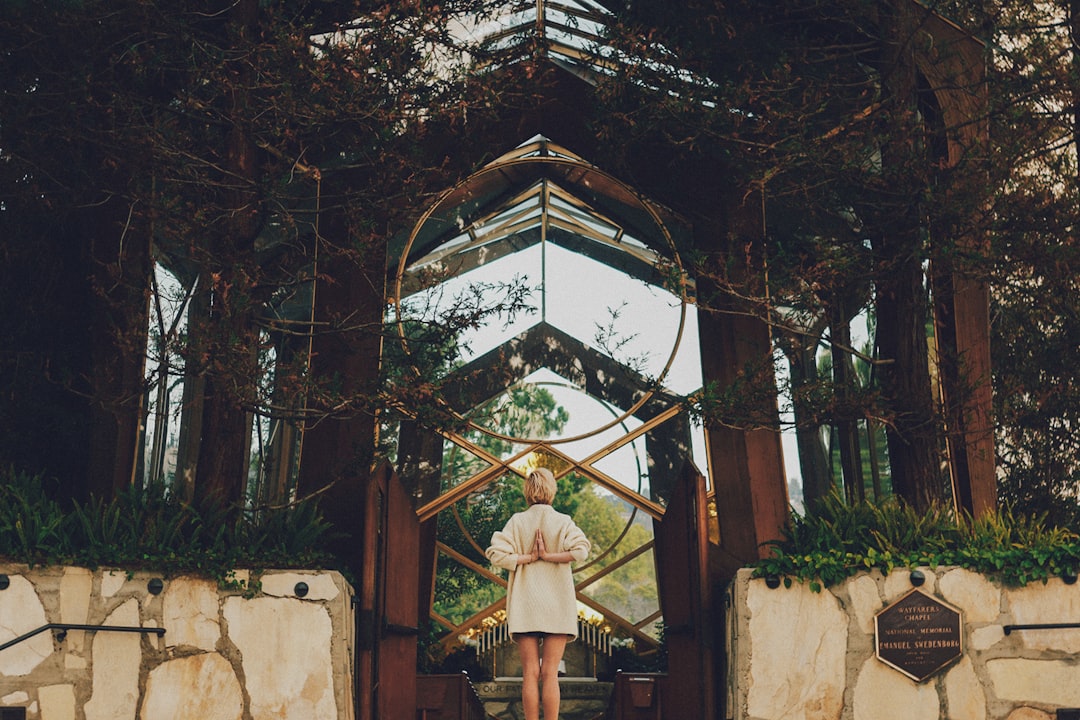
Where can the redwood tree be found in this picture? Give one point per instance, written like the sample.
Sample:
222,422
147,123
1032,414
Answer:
217,138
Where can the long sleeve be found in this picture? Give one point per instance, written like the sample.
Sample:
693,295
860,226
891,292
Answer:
575,543
501,552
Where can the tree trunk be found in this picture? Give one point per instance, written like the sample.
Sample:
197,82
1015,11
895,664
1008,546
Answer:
231,327
847,426
118,263
1074,33
813,461
901,301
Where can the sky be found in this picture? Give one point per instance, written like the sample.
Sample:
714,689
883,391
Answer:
582,297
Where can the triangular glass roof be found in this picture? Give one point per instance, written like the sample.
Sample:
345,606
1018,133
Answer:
543,206
572,34
569,32
542,192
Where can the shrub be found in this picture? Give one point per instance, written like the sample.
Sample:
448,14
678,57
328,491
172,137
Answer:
143,529
835,540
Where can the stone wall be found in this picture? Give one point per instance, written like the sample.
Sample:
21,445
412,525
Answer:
799,655
274,651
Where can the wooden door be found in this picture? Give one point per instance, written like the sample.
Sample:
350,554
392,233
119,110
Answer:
682,558
388,612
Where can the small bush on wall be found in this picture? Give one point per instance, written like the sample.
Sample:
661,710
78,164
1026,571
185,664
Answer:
144,529
835,540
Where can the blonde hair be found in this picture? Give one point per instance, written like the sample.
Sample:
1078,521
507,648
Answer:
540,487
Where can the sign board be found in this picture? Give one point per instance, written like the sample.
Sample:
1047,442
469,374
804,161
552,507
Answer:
918,635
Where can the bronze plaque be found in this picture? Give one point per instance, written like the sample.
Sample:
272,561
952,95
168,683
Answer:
918,635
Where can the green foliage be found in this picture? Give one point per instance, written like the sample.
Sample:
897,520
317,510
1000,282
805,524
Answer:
631,589
31,524
836,540
142,529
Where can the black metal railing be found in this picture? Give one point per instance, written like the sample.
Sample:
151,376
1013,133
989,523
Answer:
64,627
1041,626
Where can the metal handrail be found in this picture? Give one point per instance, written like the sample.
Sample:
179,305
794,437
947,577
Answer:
1041,626
88,628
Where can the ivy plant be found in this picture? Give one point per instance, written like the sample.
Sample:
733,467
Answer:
836,540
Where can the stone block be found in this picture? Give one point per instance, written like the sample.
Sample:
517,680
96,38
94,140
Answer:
977,597
111,582
76,585
1054,602
1046,682
865,601
964,694
898,583
114,663
190,608
285,645
798,645
196,687
881,693
57,702
986,637
21,611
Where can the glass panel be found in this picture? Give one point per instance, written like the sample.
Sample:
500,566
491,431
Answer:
584,414
263,428
667,447
685,378
541,458
604,518
526,410
634,323
628,466
630,321
479,293
700,453
630,590
459,464
653,628
460,592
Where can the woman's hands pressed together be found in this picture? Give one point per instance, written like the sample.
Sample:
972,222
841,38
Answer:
540,552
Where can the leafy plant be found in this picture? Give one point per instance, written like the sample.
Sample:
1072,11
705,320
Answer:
835,540
31,525
140,528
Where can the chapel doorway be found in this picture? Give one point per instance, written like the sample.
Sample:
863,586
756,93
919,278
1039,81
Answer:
578,353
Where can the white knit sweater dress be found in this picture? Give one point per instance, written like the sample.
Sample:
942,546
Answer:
540,595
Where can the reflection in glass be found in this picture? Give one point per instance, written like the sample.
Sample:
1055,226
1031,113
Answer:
461,592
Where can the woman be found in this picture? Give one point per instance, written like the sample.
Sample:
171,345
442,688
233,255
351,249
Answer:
537,547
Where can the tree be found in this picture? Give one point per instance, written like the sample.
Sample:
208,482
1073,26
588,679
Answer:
825,113
1035,255
256,150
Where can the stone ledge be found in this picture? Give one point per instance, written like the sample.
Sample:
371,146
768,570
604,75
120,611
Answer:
510,688
582,698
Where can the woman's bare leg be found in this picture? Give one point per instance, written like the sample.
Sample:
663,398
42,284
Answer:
529,651
554,645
